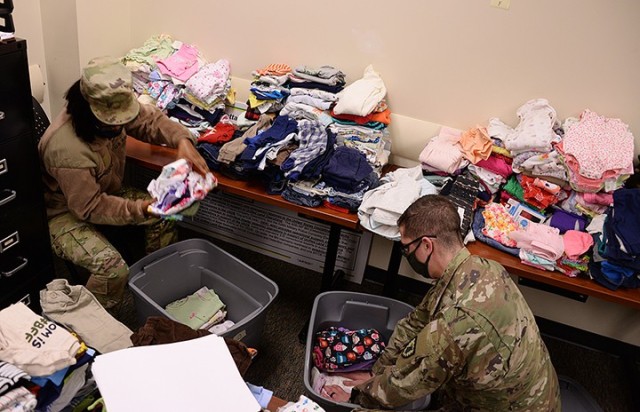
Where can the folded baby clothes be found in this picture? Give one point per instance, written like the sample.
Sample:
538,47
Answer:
583,140
541,240
564,221
476,144
34,344
576,243
196,309
182,64
443,152
362,96
499,224
177,188
534,132
344,349
10,375
303,404
382,206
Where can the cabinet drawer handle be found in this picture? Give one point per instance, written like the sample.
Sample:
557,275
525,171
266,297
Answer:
26,299
9,241
4,168
13,271
7,196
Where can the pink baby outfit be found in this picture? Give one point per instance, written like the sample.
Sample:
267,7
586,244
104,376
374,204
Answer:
499,224
443,152
598,147
541,240
182,64
211,81
576,243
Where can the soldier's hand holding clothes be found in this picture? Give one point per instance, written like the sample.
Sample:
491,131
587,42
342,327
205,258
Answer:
187,151
335,393
146,209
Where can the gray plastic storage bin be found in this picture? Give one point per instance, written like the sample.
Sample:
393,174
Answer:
575,398
178,270
352,310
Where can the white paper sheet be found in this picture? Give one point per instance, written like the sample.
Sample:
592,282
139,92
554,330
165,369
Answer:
195,375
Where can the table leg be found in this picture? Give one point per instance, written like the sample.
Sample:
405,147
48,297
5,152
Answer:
330,258
328,275
390,286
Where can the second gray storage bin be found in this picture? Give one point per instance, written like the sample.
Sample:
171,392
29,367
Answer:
352,310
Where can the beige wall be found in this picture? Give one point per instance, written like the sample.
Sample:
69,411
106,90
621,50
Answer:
454,62
27,19
104,28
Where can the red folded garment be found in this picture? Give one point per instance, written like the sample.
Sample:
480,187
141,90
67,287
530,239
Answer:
222,133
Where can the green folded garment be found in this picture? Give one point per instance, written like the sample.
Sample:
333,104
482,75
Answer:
196,309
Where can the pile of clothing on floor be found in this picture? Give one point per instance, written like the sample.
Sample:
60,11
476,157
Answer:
555,194
311,137
46,359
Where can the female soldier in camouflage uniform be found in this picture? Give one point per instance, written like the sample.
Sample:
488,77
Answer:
83,159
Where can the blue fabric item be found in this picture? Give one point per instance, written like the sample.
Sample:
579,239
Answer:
299,199
316,85
282,127
610,247
262,395
613,276
269,95
212,117
50,391
313,169
626,219
209,152
274,179
56,378
346,169
237,171
348,203
370,125
313,139
476,227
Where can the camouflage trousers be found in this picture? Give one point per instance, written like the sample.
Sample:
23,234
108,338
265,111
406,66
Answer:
83,244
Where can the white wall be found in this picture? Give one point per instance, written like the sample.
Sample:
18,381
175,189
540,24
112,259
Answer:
454,62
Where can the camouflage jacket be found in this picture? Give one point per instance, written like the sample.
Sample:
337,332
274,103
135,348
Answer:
474,337
82,177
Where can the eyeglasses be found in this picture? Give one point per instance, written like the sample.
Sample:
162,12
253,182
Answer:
404,249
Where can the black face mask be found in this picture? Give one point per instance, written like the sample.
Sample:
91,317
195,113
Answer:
419,267
109,132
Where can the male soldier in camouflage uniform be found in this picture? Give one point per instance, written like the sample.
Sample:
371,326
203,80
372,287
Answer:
473,339
83,161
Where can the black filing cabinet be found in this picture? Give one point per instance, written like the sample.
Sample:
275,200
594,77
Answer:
25,252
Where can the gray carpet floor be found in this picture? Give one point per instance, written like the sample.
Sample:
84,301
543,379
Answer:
280,361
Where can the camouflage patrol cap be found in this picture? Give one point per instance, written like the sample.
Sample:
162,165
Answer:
106,84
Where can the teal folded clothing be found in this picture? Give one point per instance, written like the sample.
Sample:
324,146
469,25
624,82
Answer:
196,309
